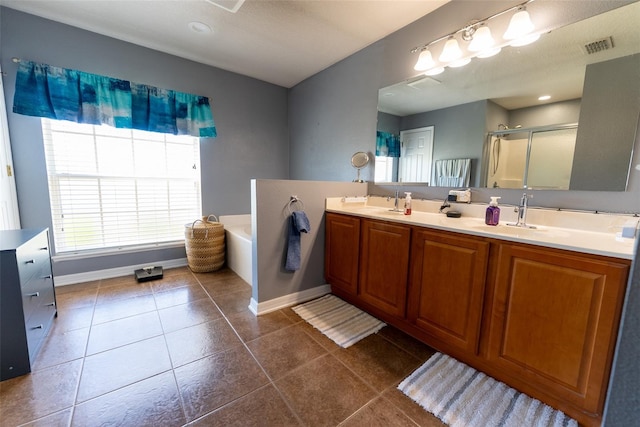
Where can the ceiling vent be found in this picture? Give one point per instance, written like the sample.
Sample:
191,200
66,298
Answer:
599,45
422,82
229,5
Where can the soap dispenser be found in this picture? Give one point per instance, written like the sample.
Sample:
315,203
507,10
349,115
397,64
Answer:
407,203
492,216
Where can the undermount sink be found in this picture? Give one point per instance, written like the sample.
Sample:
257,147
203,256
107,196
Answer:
510,230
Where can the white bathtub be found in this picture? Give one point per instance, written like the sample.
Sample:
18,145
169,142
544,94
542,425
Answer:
239,244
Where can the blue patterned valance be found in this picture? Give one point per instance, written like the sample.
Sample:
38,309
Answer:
58,93
387,144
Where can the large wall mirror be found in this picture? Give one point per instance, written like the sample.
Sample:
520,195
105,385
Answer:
487,125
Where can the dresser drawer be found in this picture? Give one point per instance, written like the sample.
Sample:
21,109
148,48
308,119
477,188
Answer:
38,324
31,256
38,291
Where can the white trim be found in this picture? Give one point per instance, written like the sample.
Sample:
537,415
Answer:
288,300
70,279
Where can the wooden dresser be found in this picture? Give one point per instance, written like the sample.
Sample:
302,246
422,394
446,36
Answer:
27,298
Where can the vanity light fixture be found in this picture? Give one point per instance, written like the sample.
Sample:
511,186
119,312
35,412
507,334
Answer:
520,25
451,51
425,61
477,41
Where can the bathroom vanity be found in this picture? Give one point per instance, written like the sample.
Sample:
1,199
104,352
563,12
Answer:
535,308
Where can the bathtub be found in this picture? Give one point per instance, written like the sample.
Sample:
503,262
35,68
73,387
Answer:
239,244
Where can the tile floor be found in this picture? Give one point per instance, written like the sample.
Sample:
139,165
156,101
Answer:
185,349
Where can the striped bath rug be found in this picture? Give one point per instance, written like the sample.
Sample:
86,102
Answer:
338,320
461,396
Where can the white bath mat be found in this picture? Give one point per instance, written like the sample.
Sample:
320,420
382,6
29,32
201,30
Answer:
460,396
338,320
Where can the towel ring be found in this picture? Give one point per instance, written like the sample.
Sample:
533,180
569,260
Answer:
295,204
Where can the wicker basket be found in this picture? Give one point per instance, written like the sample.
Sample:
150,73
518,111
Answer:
205,244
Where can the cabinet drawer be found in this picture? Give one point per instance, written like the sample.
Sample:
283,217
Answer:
31,256
39,323
37,291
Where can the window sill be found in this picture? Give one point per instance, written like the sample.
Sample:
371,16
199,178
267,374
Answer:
95,253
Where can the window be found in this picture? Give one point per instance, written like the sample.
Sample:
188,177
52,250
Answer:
112,188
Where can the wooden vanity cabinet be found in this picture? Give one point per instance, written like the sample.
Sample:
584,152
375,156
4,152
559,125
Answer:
342,252
384,266
554,322
446,287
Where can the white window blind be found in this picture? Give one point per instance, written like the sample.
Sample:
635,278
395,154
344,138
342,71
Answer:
113,188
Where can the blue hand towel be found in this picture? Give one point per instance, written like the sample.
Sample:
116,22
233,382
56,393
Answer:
298,223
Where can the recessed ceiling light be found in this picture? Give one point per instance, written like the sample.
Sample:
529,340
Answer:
544,97
199,27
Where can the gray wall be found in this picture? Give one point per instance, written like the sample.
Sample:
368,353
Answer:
607,121
270,202
250,115
459,133
341,103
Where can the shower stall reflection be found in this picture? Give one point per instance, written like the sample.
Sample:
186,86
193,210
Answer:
536,158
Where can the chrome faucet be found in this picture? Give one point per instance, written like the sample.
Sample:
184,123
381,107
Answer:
395,203
522,212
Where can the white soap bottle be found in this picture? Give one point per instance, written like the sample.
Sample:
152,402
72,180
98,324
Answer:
407,203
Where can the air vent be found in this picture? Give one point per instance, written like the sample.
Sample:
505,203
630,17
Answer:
422,82
599,45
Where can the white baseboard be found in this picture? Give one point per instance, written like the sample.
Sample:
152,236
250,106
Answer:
70,279
288,300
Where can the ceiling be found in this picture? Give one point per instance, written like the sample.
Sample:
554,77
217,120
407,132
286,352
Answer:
516,77
277,41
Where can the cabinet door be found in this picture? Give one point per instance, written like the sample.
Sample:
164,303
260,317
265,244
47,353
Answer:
446,288
342,244
384,264
554,321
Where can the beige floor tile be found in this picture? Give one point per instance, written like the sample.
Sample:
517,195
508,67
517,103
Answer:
151,402
110,370
179,295
61,347
119,309
284,350
263,407
195,342
379,362
323,392
207,384
39,394
110,335
379,413
250,327
189,314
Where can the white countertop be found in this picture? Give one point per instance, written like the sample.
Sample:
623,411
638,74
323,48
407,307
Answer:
576,231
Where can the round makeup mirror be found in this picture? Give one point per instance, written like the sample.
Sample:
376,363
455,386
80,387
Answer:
359,160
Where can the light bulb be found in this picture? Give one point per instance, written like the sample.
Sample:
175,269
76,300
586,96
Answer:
489,53
434,71
459,62
425,61
451,51
523,41
519,26
482,40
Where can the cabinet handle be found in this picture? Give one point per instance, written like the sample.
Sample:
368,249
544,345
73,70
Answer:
44,248
48,276
40,326
35,294
51,304
31,261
